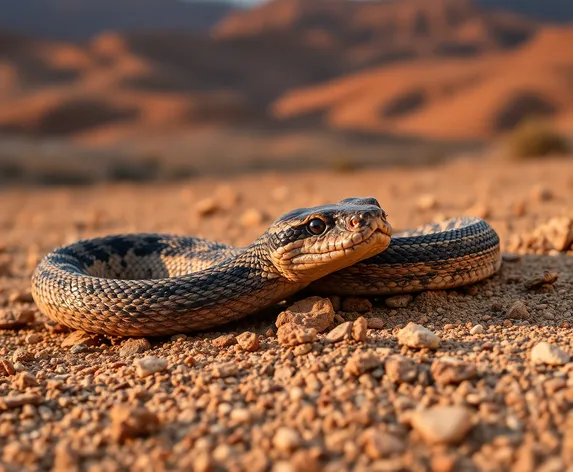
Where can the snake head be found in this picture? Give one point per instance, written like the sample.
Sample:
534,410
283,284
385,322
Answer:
309,243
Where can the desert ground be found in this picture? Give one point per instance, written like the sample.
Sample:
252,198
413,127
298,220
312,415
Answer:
360,394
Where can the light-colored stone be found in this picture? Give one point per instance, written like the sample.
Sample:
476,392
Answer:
15,319
546,353
443,424
341,332
286,439
416,336
400,369
477,329
361,363
134,346
131,422
81,337
150,365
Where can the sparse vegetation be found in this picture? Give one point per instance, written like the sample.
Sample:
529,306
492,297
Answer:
533,139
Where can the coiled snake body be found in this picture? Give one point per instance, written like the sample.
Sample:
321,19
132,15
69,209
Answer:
157,284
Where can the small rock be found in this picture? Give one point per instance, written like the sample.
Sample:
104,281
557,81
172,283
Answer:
359,329
355,304
442,424
447,370
16,401
398,301
416,336
252,218
248,341
290,335
54,327
81,337
312,312
477,329
518,311
546,353
224,340
15,319
78,348
400,369
24,380
361,363
240,415
132,422
302,349
134,346
223,370
33,338
22,355
6,367
548,278
286,439
380,444
341,332
149,366
375,323
427,202
207,206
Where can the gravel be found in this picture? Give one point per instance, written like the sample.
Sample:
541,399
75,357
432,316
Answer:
496,398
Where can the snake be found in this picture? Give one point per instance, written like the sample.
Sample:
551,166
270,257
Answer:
154,284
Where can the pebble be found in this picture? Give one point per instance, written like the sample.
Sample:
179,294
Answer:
248,341
374,323
442,424
223,370
78,348
16,319
359,329
360,363
477,329
546,353
33,338
224,340
398,301
207,206
16,401
131,422
24,380
379,444
134,346
312,312
416,336
341,332
447,370
548,278
518,311
6,367
149,366
81,337
356,304
400,369
286,439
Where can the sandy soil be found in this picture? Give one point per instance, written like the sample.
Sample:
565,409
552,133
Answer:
233,401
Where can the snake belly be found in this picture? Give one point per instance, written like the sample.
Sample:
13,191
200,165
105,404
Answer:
159,284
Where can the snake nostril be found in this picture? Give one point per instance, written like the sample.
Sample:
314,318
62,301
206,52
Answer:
355,222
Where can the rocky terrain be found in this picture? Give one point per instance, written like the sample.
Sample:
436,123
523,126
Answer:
478,378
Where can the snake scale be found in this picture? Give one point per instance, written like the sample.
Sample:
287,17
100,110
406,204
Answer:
160,284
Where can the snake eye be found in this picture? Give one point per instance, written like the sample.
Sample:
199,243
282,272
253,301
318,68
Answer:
316,226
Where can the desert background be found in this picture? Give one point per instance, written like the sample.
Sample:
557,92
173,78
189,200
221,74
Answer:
211,119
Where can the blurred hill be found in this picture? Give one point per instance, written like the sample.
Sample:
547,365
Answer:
402,69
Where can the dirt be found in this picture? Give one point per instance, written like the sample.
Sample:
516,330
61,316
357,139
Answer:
493,392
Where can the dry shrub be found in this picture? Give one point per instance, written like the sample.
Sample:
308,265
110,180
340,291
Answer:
533,139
